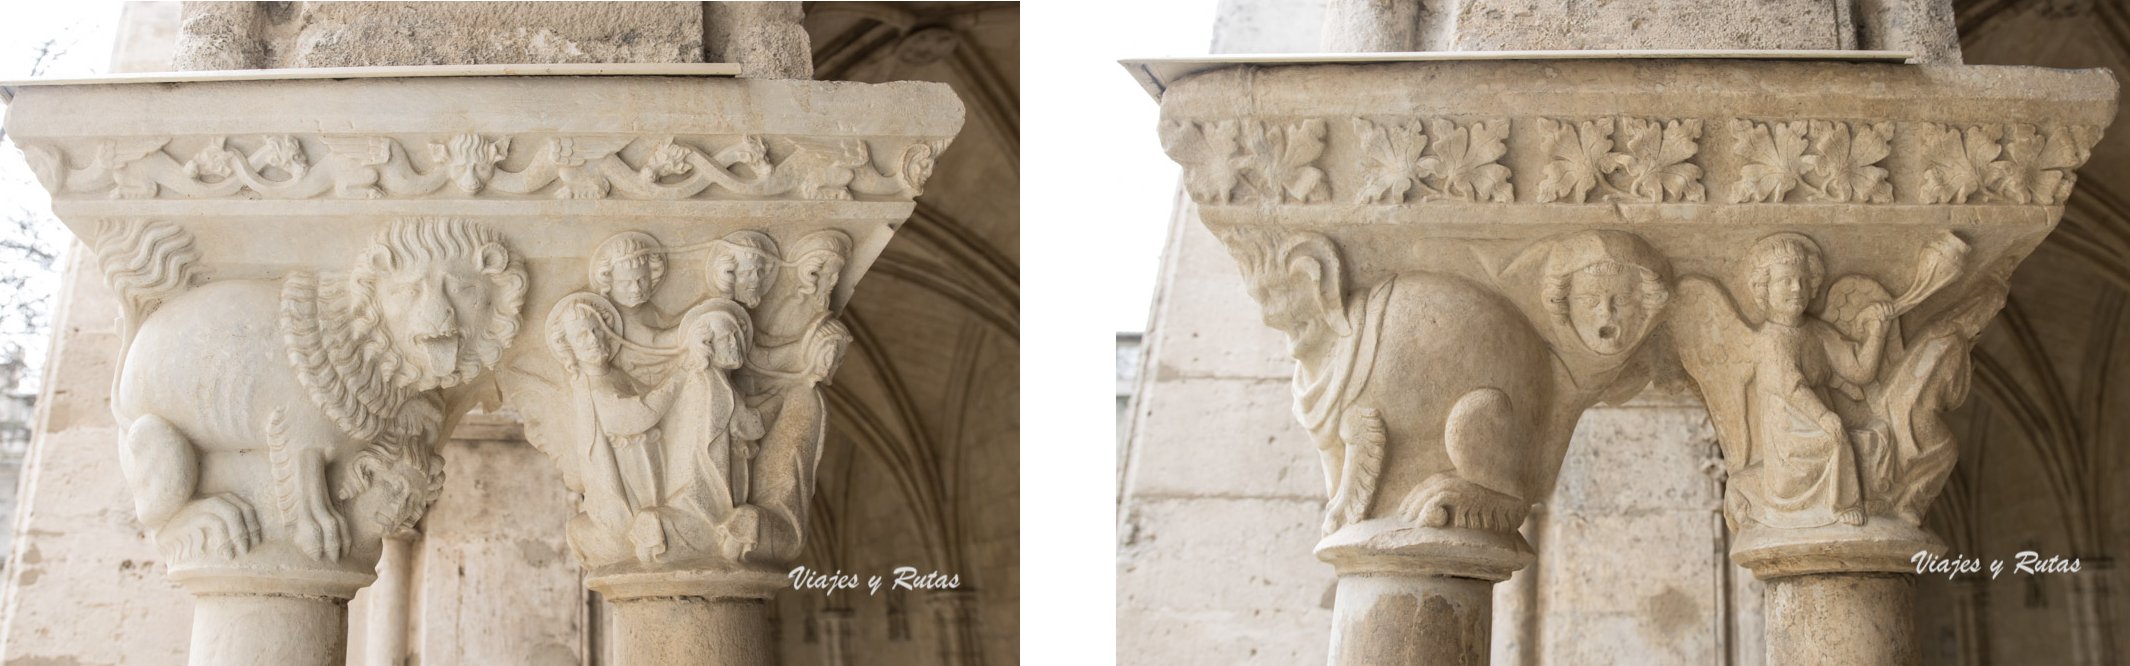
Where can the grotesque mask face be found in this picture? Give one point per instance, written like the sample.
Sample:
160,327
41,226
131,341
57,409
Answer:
1605,308
435,314
632,284
1786,292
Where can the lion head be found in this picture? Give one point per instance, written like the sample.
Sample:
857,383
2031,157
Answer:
441,296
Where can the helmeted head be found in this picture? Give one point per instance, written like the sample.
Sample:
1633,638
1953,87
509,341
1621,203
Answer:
444,293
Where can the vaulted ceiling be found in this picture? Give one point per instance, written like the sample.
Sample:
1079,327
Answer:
2049,373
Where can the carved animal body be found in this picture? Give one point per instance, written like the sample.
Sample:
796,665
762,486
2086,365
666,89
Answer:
1500,416
218,381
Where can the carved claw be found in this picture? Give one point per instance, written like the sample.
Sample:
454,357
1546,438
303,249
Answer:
320,532
224,525
1446,500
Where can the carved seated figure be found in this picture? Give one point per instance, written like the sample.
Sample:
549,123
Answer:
1769,386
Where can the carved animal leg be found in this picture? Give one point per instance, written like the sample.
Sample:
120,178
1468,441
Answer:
1487,448
161,469
319,530
1364,437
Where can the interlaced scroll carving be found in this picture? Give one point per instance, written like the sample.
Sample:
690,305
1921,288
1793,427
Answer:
473,165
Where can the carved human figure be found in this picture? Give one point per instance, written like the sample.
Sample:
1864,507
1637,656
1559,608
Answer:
782,379
627,268
1477,435
618,418
332,383
1774,387
716,435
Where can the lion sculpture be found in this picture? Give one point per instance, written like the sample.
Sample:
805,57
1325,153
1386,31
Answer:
308,391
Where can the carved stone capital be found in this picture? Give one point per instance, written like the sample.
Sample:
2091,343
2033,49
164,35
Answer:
319,277
1464,256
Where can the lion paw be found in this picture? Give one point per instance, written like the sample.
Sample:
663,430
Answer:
224,525
321,532
1447,500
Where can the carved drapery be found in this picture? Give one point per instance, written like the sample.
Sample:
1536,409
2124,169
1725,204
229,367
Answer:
311,299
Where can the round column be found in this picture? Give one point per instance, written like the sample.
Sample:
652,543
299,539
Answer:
1417,596
1842,618
1414,620
709,618
284,630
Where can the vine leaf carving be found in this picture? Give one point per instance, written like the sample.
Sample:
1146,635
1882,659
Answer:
1390,158
1582,154
2038,168
1775,158
1958,161
1464,158
1655,165
1843,165
1282,157
1209,152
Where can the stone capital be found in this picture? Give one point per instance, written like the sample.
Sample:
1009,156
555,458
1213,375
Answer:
1464,256
320,276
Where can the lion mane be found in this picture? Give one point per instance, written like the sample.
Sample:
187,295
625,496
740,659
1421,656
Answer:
341,353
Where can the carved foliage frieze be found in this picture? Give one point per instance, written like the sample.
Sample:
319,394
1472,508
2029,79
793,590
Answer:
1818,161
2015,163
472,165
1415,160
1622,159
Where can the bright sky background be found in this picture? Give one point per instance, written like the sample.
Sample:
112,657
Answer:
84,31
1128,186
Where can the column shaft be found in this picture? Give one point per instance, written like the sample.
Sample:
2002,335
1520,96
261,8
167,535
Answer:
1842,619
1411,621
248,629
651,631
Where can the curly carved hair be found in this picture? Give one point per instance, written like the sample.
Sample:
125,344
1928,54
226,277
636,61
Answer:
1787,248
1557,287
628,248
414,242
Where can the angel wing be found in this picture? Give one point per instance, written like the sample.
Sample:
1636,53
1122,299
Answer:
1709,337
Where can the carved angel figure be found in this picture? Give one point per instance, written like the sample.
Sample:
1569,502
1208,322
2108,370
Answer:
329,385
1789,394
